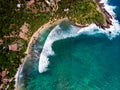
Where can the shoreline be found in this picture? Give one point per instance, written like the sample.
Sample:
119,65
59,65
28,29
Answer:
100,8
32,41
107,16
45,26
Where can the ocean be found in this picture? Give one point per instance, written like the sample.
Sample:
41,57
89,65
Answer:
66,57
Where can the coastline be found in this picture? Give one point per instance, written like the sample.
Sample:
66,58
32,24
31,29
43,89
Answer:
100,8
107,16
104,12
37,20
45,26
32,41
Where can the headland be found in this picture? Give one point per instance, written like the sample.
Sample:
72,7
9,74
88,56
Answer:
40,13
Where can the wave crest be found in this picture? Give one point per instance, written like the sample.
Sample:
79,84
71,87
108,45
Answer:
57,33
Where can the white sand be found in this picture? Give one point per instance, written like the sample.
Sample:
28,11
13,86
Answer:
45,26
32,40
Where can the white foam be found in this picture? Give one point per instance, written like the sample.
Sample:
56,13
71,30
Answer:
90,30
115,27
108,8
57,34
17,76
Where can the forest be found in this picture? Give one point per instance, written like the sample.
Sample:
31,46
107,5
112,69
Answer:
12,18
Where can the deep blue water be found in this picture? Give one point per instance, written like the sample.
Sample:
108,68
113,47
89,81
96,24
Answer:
117,10
85,62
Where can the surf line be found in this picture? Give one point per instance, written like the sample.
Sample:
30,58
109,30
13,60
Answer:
56,34
28,50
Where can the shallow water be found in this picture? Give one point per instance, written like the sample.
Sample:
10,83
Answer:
81,63
84,62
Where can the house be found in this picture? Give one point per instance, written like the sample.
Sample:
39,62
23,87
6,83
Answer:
24,31
47,2
3,74
18,5
66,9
1,41
13,47
30,2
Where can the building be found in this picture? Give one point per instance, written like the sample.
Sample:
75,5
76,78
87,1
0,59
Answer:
1,41
13,47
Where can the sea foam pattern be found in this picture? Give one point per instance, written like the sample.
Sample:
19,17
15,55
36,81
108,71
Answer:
57,34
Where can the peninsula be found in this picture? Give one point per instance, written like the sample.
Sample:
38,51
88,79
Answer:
19,20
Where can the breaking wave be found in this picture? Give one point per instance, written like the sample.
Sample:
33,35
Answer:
57,33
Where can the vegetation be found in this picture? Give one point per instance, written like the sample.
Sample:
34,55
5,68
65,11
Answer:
81,11
11,19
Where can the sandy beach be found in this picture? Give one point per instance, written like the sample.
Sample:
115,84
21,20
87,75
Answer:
32,41
55,22
45,26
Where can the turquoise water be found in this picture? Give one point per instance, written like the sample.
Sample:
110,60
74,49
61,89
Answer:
84,62
31,64
81,63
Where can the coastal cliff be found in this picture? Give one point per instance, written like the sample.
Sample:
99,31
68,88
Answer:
106,15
